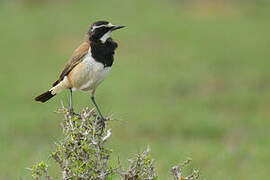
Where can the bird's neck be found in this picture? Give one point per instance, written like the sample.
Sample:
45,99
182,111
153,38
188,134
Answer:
103,52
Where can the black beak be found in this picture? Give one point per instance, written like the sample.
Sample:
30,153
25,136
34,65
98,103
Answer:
117,27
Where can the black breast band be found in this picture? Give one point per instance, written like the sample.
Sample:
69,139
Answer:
103,52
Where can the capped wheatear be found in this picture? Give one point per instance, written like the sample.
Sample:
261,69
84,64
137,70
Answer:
88,66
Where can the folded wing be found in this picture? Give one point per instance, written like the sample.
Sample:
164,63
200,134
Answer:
75,59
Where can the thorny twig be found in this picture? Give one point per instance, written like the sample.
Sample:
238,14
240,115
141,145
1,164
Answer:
177,171
82,153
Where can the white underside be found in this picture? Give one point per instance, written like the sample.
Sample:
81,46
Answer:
85,76
90,75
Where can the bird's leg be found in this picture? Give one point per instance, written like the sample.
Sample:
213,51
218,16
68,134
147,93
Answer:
71,106
101,116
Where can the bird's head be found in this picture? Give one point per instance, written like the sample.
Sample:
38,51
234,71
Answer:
101,30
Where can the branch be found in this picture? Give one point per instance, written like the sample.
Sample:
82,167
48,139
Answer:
83,153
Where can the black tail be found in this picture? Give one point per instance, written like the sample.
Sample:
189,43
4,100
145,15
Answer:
45,96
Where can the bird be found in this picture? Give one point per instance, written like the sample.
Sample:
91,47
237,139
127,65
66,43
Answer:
88,66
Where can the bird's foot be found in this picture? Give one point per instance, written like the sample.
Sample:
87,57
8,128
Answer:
73,113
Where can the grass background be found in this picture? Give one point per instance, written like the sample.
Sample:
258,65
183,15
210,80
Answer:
191,78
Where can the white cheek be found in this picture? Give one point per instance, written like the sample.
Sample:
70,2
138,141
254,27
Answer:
105,36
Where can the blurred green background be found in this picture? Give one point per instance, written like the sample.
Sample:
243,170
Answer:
190,79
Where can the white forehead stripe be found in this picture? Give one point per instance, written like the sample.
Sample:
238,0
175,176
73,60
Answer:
95,27
110,25
103,25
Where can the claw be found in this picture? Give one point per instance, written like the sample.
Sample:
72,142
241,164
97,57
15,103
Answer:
73,113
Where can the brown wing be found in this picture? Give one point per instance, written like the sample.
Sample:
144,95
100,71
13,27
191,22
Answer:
75,59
